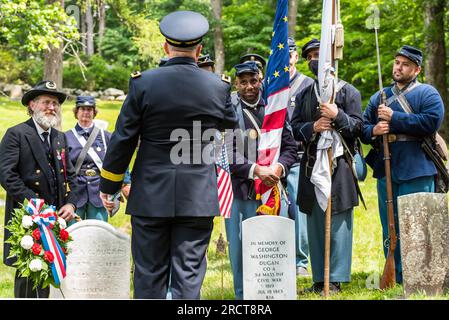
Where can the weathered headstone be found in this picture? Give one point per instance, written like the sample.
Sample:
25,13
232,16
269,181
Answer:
424,234
98,266
269,262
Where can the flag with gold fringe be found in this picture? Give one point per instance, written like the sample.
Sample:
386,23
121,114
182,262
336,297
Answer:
276,95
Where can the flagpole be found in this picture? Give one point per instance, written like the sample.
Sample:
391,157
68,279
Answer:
336,54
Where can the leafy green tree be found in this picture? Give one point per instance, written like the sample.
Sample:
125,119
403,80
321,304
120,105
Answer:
34,25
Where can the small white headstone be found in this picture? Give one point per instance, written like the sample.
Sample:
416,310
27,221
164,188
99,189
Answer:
269,261
98,266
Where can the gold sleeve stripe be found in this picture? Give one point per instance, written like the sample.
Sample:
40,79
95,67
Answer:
112,176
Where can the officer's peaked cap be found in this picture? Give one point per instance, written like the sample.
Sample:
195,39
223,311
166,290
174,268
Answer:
261,62
184,28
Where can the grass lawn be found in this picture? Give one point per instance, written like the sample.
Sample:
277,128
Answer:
367,261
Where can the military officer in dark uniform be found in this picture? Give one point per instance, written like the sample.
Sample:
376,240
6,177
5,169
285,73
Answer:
172,203
309,120
34,163
298,82
250,109
411,170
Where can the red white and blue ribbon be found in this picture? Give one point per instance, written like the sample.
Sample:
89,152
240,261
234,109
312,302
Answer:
45,218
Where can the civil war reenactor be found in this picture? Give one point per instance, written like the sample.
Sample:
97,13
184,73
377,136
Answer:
413,111
87,145
172,205
310,119
250,109
34,163
298,82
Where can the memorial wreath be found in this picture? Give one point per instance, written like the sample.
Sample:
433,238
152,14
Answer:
39,241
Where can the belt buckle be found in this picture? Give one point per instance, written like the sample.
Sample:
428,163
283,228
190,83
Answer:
91,173
391,138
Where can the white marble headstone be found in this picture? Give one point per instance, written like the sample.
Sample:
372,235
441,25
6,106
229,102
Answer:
98,266
269,261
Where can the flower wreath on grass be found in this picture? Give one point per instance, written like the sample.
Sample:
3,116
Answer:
39,242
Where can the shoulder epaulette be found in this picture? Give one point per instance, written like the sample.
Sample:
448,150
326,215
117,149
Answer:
136,74
226,78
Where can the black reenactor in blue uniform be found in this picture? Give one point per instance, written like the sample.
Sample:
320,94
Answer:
172,205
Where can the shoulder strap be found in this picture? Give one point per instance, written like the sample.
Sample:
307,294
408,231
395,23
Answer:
296,84
400,96
85,149
253,121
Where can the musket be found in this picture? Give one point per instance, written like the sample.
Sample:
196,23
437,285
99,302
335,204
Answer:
388,279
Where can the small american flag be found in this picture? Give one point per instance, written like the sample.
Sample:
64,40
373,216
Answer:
224,185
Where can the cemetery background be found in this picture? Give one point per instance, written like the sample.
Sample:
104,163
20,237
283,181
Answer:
367,262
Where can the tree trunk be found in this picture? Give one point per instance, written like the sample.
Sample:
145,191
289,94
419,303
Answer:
53,64
101,22
89,30
218,37
83,31
435,62
292,13
53,59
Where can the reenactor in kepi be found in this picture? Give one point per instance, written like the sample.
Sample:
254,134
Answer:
250,109
258,59
87,145
407,120
206,63
298,82
310,119
173,199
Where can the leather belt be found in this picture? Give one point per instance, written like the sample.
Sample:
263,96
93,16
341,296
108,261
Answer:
89,172
401,137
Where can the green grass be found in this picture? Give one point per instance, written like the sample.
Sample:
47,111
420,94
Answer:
367,257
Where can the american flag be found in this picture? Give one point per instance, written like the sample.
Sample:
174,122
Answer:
277,80
225,194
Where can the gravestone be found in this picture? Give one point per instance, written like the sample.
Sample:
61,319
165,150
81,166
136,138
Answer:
424,234
269,260
98,266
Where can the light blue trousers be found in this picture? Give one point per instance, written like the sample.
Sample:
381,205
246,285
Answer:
341,244
423,184
302,243
88,211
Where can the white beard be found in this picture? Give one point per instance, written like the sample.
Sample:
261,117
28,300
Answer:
45,121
